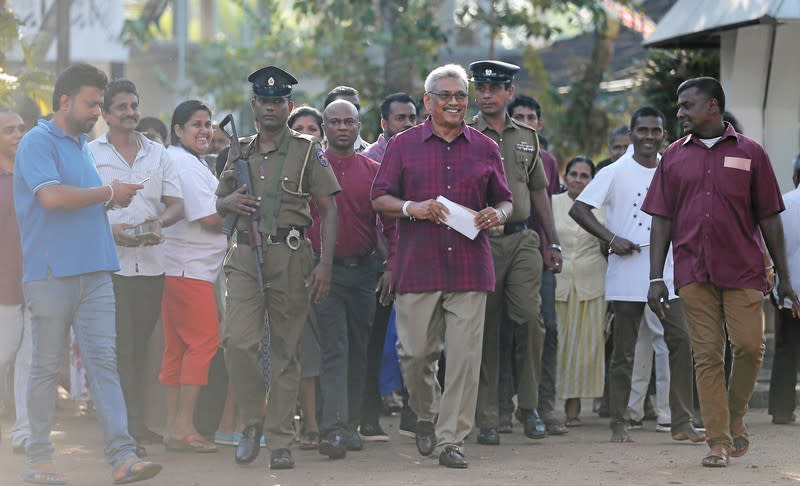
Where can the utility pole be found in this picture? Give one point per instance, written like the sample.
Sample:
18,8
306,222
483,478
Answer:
63,28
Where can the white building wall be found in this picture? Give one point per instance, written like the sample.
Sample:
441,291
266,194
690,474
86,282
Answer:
768,106
782,115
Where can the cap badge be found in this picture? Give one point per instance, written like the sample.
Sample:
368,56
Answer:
271,81
488,72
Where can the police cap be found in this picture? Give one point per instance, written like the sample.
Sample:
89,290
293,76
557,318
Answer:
272,81
492,72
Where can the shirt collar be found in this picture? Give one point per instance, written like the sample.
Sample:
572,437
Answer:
427,131
145,144
282,143
58,132
729,132
481,125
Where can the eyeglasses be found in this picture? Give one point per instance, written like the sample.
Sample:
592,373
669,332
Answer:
446,96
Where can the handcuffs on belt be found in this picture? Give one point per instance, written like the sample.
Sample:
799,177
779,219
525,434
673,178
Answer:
293,239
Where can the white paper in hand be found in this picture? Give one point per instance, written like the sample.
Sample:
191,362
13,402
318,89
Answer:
461,219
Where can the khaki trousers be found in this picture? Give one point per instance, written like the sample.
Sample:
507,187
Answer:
709,310
286,301
426,323
518,273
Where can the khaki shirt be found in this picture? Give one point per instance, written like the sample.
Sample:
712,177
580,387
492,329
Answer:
519,147
318,180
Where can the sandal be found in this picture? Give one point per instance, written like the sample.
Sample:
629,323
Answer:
716,458
36,476
146,470
309,441
573,422
741,445
191,443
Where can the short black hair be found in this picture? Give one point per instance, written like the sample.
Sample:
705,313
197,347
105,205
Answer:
524,100
339,92
75,77
386,105
116,87
578,159
620,130
155,124
183,112
305,111
709,86
647,111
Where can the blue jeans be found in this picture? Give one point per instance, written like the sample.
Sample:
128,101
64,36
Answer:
85,302
391,378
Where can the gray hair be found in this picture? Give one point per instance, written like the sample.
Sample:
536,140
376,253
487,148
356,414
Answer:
446,71
619,131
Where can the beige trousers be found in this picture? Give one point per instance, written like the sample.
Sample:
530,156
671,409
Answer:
427,323
709,310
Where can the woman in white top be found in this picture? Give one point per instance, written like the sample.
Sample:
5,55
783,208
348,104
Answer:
580,299
193,252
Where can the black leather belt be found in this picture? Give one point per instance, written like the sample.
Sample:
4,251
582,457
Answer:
354,261
279,237
507,229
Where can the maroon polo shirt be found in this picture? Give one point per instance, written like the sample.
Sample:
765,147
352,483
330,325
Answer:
418,165
10,250
357,227
715,198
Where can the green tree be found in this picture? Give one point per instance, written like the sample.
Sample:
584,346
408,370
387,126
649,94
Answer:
22,84
665,69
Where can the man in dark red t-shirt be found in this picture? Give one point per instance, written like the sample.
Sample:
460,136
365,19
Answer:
346,315
15,347
713,189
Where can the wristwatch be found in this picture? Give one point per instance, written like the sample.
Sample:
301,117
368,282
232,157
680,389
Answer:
555,246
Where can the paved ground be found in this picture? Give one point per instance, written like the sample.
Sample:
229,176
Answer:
582,457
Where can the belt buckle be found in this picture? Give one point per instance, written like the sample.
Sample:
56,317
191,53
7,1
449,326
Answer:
293,239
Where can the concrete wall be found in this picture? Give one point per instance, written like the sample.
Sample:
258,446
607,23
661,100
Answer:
760,82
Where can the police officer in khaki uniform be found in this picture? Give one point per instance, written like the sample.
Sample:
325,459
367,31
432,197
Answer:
515,248
287,169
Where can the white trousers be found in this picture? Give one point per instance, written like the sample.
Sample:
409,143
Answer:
650,340
15,347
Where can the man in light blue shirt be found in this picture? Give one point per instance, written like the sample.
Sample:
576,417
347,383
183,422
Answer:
68,256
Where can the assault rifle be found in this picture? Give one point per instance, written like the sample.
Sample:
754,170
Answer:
241,167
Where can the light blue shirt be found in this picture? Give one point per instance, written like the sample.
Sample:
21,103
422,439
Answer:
61,243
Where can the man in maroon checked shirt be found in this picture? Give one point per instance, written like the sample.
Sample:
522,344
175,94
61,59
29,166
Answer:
711,192
441,276
346,315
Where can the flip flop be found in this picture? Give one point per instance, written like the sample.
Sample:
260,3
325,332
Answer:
716,459
195,443
42,477
147,471
741,445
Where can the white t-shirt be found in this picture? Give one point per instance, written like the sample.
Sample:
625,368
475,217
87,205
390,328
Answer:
189,249
791,238
620,189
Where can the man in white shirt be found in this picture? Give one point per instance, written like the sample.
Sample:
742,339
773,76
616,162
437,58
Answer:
620,190
782,384
124,154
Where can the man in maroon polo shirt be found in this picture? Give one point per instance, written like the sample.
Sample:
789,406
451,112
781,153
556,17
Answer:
442,277
346,315
711,193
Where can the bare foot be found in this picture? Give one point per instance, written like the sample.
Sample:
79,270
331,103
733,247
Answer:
688,432
619,433
135,469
